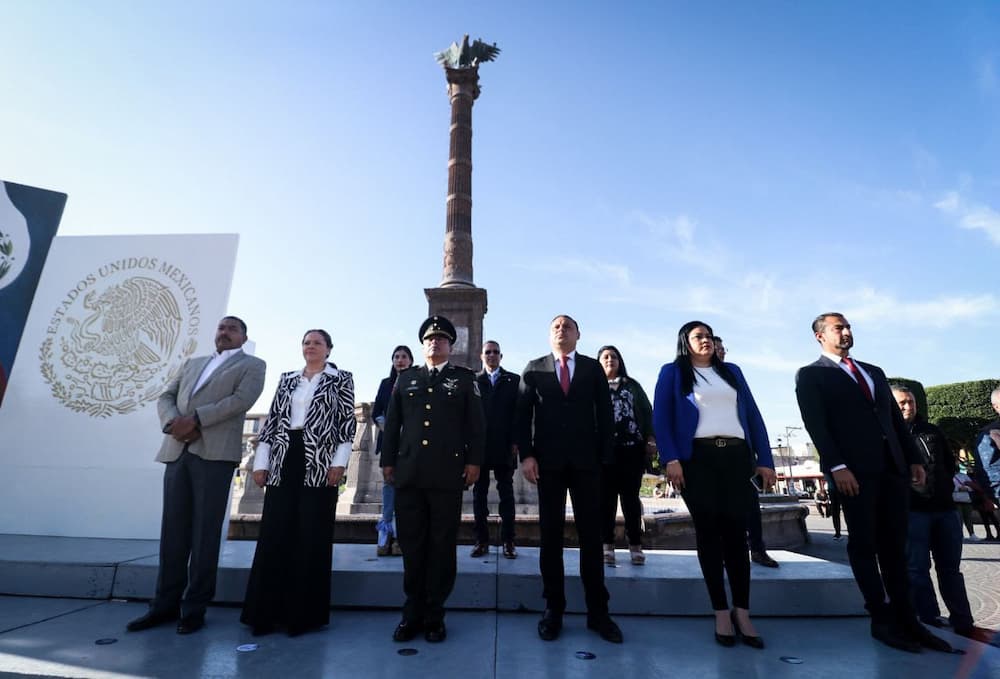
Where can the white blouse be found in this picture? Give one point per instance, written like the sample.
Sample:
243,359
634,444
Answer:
301,398
716,400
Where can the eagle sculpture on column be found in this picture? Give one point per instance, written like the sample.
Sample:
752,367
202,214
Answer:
467,56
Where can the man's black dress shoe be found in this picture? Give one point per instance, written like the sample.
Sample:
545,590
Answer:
764,559
479,550
550,625
406,631
925,639
509,551
190,624
605,627
890,636
152,619
435,632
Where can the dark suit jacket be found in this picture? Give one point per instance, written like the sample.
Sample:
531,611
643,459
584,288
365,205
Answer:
846,427
498,407
565,431
434,428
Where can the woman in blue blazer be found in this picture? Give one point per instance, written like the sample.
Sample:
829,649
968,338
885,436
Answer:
712,440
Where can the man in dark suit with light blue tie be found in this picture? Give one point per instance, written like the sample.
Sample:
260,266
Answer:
201,413
863,442
499,397
565,432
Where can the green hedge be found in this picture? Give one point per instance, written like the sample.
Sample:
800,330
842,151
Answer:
918,393
961,409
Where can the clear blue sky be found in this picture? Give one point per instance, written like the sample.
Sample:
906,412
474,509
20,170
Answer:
636,166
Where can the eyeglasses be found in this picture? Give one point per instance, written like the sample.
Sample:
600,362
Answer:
490,352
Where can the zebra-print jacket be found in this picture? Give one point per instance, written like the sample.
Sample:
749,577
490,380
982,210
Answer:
329,424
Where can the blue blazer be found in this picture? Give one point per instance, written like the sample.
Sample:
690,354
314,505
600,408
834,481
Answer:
675,418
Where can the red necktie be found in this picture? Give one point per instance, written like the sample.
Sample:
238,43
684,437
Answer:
862,382
564,374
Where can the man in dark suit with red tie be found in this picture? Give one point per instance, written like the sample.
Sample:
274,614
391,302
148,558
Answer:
863,442
565,432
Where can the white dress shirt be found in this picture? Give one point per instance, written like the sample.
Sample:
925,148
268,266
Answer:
493,376
212,365
839,360
570,362
302,396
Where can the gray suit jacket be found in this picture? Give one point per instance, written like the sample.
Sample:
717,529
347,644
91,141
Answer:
221,404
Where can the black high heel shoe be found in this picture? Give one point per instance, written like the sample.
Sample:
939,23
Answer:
752,642
727,640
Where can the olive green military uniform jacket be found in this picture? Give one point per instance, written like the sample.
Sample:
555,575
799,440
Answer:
434,427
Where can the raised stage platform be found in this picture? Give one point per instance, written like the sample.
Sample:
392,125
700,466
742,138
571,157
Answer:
668,584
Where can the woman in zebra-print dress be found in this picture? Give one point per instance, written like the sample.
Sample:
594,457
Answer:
303,450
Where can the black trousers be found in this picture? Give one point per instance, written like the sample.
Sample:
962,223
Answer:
504,475
585,491
718,494
290,579
195,494
622,480
427,522
877,519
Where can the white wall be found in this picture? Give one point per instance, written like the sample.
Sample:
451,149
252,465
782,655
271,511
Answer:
112,317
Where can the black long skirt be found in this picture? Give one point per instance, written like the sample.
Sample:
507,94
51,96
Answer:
290,580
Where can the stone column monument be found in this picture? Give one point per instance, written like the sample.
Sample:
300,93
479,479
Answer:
457,296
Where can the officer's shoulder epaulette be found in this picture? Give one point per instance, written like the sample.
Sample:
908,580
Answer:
461,369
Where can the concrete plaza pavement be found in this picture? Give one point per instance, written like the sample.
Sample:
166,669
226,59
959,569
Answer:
74,637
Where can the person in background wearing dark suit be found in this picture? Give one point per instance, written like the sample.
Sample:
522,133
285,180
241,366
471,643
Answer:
431,451
864,444
935,528
755,528
499,393
565,432
201,412
712,440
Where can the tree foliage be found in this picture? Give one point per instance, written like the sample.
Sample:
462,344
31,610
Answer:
961,409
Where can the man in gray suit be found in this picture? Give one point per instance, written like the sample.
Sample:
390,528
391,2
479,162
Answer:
202,412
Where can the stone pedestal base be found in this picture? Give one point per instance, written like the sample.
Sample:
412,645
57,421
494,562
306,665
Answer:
465,306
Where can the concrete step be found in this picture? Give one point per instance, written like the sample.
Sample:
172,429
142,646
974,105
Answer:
670,582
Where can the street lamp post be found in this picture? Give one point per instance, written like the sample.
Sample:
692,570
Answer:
788,456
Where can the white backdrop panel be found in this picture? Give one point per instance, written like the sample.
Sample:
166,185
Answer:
113,318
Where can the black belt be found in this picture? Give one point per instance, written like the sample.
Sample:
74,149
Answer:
719,441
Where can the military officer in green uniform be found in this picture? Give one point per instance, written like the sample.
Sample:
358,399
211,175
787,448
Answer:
431,450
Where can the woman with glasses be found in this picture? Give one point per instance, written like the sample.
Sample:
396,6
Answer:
712,440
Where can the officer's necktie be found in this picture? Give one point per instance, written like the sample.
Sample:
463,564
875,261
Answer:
434,373
862,382
564,374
